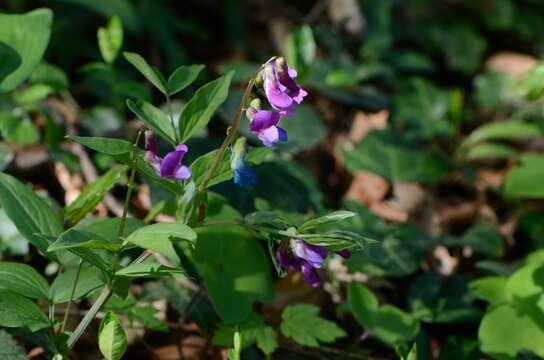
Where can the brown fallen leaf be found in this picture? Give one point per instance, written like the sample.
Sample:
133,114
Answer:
407,196
513,63
388,211
367,187
454,214
347,14
192,348
489,178
363,123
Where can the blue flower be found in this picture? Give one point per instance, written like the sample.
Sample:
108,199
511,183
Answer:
244,175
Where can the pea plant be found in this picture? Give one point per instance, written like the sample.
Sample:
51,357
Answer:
98,258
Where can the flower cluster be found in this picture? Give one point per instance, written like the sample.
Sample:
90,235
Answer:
298,255
170,166
283,94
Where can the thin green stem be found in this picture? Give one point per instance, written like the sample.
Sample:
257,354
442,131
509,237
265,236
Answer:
72,293
107,291
130,185
231,132
171,114
89,316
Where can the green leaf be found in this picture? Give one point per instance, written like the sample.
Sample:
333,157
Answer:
28,35
74,238
383,154
152,269
23,279
523,181
32,93
90,279
154,118
302,323
482,238
151,73
110,39
305,128
85,245
9,60
18,311
335,216
18,130
49,75
506,330
235,267
490,150
31,214
201,166
338,239
300,49
108,146
386,322
108,228
182,77
503,130
9,349
252,330
158,237
407,355
145,315
491,289
199,110
91,195
112,340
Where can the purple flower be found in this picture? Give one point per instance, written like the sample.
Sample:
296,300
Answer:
303,257
170,166
280,88
263,123
298,255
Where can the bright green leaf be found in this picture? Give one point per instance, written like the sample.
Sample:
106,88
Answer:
303,324
108,146
151,268
74,238
300,49
389,323
182,77
154,118
199,110
503,130
151,73
23,279
91,195
28,35
110,39
158,237
18,130
112,340
90,279
31,214
18,311
335,216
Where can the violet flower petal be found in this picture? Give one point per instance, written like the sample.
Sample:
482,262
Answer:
171,162
263,119
310,275
182,173
345,253
314,255
286,260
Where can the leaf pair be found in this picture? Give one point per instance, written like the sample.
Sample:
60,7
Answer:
196,113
